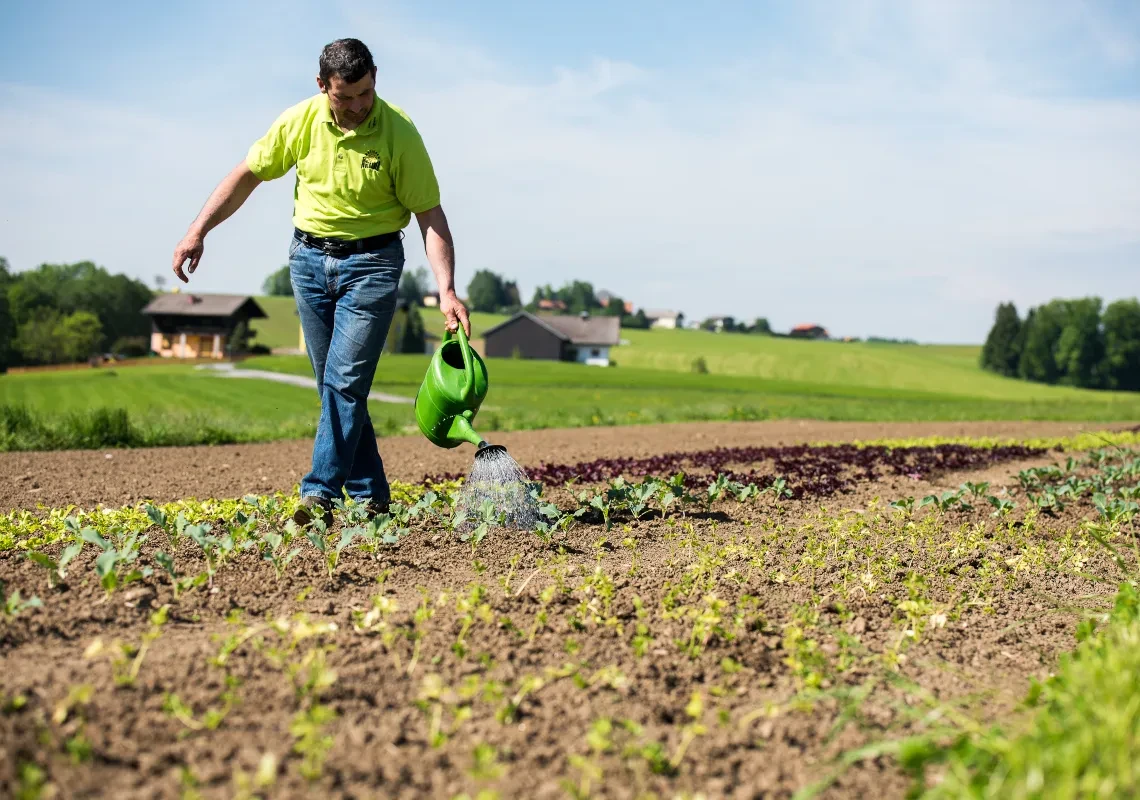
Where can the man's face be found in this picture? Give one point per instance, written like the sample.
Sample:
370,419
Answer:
350,102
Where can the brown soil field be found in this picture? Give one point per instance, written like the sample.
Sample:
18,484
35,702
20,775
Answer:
119,477
733,649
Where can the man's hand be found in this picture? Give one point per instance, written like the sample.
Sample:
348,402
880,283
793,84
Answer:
455,312
191,247
227,198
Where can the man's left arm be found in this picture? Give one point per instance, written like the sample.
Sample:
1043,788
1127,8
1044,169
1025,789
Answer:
441,255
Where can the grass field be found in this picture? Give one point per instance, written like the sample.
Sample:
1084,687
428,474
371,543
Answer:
750,377
281,329
943,369
164,405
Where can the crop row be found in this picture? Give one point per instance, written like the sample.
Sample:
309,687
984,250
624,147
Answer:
817,471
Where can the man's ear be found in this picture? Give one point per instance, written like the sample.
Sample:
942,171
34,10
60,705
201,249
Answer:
321,85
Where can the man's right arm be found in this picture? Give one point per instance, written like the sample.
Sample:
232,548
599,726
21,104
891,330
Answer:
227,198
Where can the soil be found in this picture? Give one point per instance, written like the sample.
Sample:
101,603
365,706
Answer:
114,478
420,721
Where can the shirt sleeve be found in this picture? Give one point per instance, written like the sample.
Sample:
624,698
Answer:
413,174
275,153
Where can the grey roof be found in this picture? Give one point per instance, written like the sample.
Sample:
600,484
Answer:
657,313
578,331
203,305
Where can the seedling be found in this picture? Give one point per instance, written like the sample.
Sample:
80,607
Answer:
742,492
694,710
976,490
15,604
215,549
640,495
112,565
175,528
1002,506
311,741
177,582
716,489
57,569
1116,510
903,504
275,549
779,488
946,502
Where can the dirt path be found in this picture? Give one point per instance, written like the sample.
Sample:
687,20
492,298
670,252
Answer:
117,477
228,370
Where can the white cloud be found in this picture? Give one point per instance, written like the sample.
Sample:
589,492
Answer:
871,199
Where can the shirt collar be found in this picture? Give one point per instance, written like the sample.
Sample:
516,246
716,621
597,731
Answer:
370,125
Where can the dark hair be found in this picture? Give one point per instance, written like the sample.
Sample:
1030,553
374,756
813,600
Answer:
349,59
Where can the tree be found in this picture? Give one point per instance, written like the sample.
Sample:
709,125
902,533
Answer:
36,340
240,338
486,292
117,300
637,321
512,296
49,337
1000,353
614,308
578,297
414,339
79,335
7,324
1038,357
1080,348
414,285
761,326
279,283
1121,367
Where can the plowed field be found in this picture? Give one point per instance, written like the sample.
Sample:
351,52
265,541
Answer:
661,639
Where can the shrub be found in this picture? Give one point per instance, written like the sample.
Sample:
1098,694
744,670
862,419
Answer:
131,346
700,366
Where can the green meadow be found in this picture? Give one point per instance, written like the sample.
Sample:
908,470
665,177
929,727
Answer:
748,378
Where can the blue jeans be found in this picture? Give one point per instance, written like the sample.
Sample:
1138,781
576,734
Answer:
346,305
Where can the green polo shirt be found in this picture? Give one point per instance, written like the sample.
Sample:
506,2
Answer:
352,184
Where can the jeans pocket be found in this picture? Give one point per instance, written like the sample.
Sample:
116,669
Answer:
294,246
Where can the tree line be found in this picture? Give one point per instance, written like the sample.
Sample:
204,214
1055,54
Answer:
61,313
1070,342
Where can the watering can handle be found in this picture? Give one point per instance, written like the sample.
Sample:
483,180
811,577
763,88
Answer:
468,361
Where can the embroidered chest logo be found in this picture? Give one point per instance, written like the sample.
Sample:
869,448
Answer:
371,160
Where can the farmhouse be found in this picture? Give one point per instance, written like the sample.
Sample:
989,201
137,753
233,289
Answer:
809,331
584,338
185,325
665,319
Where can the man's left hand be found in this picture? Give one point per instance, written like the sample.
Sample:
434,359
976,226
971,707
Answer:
455,312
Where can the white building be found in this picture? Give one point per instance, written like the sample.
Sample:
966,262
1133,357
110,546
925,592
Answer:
665,319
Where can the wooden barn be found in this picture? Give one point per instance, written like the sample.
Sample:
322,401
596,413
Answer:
585,339
192,325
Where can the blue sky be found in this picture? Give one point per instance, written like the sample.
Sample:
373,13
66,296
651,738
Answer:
881,168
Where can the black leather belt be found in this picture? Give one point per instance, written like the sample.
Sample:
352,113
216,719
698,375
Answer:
346,246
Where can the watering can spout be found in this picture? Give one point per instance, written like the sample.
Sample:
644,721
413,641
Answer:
461,429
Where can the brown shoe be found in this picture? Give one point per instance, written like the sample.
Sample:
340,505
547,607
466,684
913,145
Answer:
374,508
304,513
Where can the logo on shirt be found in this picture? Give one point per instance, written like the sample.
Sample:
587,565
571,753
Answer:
371,160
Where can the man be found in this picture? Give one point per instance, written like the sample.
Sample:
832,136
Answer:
362,171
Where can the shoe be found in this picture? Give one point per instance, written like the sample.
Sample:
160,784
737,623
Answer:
374,508
304,513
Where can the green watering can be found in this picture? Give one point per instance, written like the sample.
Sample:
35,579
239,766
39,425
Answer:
451,393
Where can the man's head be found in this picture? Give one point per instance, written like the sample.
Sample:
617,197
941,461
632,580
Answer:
348,76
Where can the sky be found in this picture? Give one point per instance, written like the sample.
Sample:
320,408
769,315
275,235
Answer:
879,168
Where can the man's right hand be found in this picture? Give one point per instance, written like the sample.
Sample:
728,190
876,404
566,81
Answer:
191,247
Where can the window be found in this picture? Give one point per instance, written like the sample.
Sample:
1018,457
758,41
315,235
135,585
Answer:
595,352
